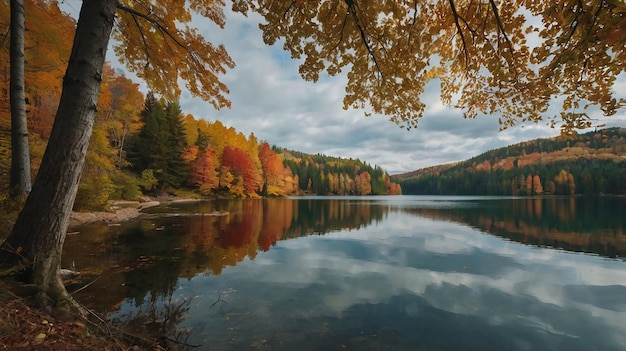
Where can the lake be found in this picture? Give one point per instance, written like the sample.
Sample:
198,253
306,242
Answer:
365,273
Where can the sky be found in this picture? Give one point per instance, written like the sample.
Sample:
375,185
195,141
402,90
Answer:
271,100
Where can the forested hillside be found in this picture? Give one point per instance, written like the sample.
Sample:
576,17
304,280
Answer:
590,163
147,145
326,175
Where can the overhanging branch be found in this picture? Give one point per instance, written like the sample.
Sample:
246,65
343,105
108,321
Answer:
160,27
352,11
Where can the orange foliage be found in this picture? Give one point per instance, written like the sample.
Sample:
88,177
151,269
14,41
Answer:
276,178
363,183
242,165
47,47
537,187
203,165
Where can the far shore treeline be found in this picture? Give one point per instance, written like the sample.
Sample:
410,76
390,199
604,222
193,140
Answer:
592,163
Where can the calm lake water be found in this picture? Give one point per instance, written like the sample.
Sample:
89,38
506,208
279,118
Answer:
366,273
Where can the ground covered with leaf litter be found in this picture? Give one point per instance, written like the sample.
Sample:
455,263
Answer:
23,327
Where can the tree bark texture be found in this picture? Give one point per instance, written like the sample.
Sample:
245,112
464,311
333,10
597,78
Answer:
19,180
39,232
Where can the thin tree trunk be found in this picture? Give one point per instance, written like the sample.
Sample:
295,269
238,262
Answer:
120,154
40,229
19,181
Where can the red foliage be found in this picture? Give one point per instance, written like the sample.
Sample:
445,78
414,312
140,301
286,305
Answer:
241,163
270,162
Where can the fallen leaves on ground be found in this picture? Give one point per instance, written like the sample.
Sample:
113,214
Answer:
26,328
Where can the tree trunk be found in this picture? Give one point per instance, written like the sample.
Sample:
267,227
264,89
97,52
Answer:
39,232
19,181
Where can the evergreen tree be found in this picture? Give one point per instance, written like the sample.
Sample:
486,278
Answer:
160,142
176,171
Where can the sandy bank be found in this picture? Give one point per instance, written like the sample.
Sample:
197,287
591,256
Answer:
120,211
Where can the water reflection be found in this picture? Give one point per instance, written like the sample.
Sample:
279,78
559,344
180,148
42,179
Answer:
403,274
592,225
148,256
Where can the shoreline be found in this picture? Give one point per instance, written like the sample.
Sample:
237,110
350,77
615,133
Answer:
120,211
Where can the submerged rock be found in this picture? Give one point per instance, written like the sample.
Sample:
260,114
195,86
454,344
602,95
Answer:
67,274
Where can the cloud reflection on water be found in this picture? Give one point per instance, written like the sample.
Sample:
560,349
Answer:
525,294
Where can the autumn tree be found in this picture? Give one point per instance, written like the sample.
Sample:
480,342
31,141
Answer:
204,171
571,184
242,167
564,183
96,184
47,53
203,165
151,43
479,51
362,184
120,113
537,187
274,174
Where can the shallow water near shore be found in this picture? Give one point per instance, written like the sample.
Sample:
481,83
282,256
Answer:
366,273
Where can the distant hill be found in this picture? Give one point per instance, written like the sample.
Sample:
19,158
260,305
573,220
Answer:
328,175
590,163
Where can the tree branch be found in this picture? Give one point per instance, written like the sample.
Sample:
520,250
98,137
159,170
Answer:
143,39
343,27
287,10
352,12
456,16
496,13
157,23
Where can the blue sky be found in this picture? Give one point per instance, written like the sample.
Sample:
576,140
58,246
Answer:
270,100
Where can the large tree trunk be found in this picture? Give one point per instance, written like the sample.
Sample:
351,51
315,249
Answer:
39,232
20,157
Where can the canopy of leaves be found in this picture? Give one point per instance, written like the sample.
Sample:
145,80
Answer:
509,59
154,40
